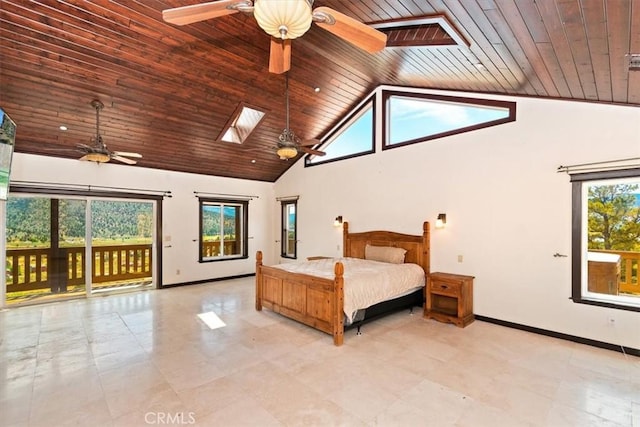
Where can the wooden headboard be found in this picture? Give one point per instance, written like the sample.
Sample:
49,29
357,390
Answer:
417,246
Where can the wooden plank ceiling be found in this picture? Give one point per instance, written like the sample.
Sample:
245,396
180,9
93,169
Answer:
168,91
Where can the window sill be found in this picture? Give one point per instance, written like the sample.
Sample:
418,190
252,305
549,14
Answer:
607,304
227,258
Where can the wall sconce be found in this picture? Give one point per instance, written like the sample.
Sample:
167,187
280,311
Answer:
441,221
338,221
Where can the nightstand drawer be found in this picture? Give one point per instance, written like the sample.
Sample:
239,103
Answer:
445,288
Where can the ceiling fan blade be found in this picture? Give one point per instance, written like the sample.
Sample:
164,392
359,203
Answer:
311,151
310,142
123,159
201,12
349,29
63,150
280,56
127,154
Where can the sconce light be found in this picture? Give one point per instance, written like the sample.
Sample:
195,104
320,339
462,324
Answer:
338,221
441,221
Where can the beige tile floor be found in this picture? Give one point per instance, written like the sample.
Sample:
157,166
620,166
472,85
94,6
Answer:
145,358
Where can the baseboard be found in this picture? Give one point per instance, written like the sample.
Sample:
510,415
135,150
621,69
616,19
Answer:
200,282
600,344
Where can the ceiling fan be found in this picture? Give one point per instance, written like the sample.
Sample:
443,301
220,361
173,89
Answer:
99,152
289,145
284,20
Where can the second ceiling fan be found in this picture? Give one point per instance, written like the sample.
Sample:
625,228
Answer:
99,153
289,145
284,20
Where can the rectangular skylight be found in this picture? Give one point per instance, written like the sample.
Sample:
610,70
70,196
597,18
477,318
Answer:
243,121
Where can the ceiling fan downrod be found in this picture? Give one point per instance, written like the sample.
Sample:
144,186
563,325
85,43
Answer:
98,107
287,137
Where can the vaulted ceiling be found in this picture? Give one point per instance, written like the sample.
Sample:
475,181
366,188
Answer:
169,90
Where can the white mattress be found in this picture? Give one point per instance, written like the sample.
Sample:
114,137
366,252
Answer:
365,282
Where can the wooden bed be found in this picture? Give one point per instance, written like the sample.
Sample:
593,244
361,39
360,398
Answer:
319,302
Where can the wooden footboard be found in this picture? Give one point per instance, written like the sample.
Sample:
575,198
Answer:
314,301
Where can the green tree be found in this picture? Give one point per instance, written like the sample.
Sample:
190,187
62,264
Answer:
28,221
145,221
71,214
614,217
211,222
29,218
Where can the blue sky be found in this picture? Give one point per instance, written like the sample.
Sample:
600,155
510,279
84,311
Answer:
416,118
412,118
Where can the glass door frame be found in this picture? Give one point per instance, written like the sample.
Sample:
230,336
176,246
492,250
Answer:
155,235
51,192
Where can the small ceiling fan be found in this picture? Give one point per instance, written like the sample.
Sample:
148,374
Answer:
284,20
99,152
289,145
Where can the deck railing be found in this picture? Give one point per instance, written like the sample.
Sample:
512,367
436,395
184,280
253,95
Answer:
629,270
31,269
211,249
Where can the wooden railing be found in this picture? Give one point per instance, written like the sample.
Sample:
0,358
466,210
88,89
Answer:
629,270
211,249
31,269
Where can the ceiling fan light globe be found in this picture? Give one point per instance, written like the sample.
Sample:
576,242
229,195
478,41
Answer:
286,153
285,19
97,157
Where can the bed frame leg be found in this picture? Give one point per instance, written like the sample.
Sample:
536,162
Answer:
358,331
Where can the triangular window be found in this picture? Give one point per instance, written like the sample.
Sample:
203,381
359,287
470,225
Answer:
411,118
354,137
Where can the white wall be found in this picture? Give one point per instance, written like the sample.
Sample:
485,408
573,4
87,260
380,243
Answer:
180,212
508,210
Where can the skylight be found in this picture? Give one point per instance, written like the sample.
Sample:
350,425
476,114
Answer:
243,121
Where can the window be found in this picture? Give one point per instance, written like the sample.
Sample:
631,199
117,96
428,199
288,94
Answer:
223,229
288,239
243,121
353,138
412,118
606,238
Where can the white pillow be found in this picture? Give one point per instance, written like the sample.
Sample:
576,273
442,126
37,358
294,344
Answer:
384,254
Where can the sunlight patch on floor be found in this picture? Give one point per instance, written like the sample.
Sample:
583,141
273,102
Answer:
212,320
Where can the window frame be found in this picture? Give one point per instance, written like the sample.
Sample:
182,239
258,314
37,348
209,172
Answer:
386,111
578,252
284,233
345,124
241,228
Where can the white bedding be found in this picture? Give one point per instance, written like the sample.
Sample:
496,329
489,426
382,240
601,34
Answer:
365,282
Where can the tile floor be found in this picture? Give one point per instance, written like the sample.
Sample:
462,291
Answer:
145,358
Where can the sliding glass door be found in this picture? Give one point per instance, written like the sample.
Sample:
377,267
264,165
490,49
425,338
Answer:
122,234
45,242
52,254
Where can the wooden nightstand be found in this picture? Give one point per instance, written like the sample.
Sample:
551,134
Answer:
450,298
